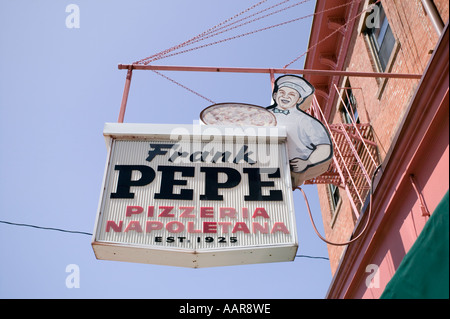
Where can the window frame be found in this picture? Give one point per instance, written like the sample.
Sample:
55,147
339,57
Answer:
365,31
351,105
334,206
381,37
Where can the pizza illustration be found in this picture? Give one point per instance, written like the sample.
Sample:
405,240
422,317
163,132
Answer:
237,114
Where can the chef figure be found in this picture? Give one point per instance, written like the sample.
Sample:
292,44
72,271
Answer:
308,142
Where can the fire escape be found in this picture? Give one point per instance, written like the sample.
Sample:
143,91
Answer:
355,156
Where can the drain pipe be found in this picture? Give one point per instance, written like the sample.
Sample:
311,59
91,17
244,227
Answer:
433,13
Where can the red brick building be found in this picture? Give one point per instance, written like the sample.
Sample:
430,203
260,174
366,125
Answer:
399,123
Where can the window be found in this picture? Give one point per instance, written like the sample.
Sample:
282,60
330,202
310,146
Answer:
349,110
380,37
334,196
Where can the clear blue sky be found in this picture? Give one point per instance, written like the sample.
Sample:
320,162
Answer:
59,85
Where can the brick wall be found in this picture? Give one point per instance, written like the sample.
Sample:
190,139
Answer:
382,103
442,6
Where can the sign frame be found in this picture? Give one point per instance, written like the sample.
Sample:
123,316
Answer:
182,257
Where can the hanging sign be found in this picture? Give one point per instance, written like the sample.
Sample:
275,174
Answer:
196,196
309,144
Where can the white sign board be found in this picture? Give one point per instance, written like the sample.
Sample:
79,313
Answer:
195,196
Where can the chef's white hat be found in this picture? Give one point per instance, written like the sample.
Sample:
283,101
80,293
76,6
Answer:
303,87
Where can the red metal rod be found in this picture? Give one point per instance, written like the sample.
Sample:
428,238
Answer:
423,207
126,90
269,70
